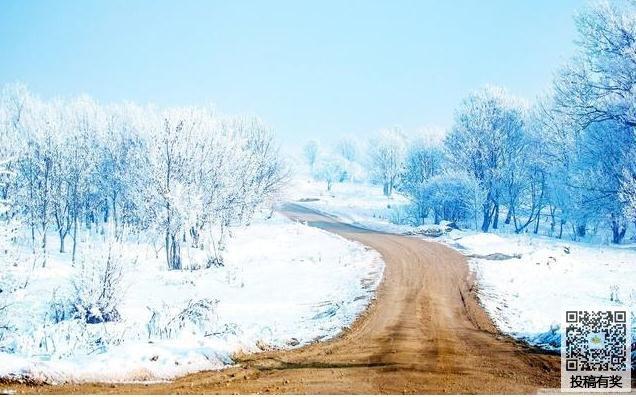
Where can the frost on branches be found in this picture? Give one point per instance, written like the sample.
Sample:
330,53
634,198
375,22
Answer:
181,177
564,166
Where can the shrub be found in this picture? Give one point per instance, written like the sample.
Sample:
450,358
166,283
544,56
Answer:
97,292
199,315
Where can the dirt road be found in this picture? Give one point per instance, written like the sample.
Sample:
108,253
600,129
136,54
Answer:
425,333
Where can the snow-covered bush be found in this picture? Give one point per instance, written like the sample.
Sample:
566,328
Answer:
97,291
7,289
198,316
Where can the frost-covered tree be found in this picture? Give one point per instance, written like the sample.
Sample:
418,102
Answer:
449,196
80,166
556,144
386,155
38,170
9,223
488,124
330,171
627,194
595,93
208,172
599,173
170,170
8,217
422,162
310,151
598,84
348,149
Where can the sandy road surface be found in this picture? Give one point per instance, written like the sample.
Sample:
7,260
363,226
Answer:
425,333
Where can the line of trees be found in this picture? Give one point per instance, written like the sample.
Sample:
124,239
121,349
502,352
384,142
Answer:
569,159
182,175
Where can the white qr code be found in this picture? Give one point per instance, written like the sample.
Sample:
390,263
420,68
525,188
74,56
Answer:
596,350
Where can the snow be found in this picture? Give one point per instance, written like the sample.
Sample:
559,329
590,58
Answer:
284,284
356,203
527,296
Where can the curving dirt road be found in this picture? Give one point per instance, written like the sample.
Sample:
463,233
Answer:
425,333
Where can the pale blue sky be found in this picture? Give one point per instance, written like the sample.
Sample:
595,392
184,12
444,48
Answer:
308,68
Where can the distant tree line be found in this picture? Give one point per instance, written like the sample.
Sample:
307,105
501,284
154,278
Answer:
569,159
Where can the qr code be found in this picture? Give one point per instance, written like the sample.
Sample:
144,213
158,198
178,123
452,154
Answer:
596,348
596,341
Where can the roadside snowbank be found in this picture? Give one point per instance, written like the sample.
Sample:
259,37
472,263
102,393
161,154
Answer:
526,295
283,285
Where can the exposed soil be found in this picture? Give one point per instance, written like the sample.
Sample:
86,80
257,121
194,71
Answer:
424,333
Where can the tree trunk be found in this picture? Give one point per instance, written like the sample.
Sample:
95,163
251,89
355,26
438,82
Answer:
552,220
74,237
618,230
508,216
495,221
44,244
174,254
422,213
31,210
62,238
45,207
536,222
115,220
540,204
487,215
580,230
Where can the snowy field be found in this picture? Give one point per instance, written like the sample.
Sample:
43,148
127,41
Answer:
525,282
283,285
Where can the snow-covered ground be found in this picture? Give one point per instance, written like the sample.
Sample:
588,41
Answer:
283,284
525,290
527,293
355,203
